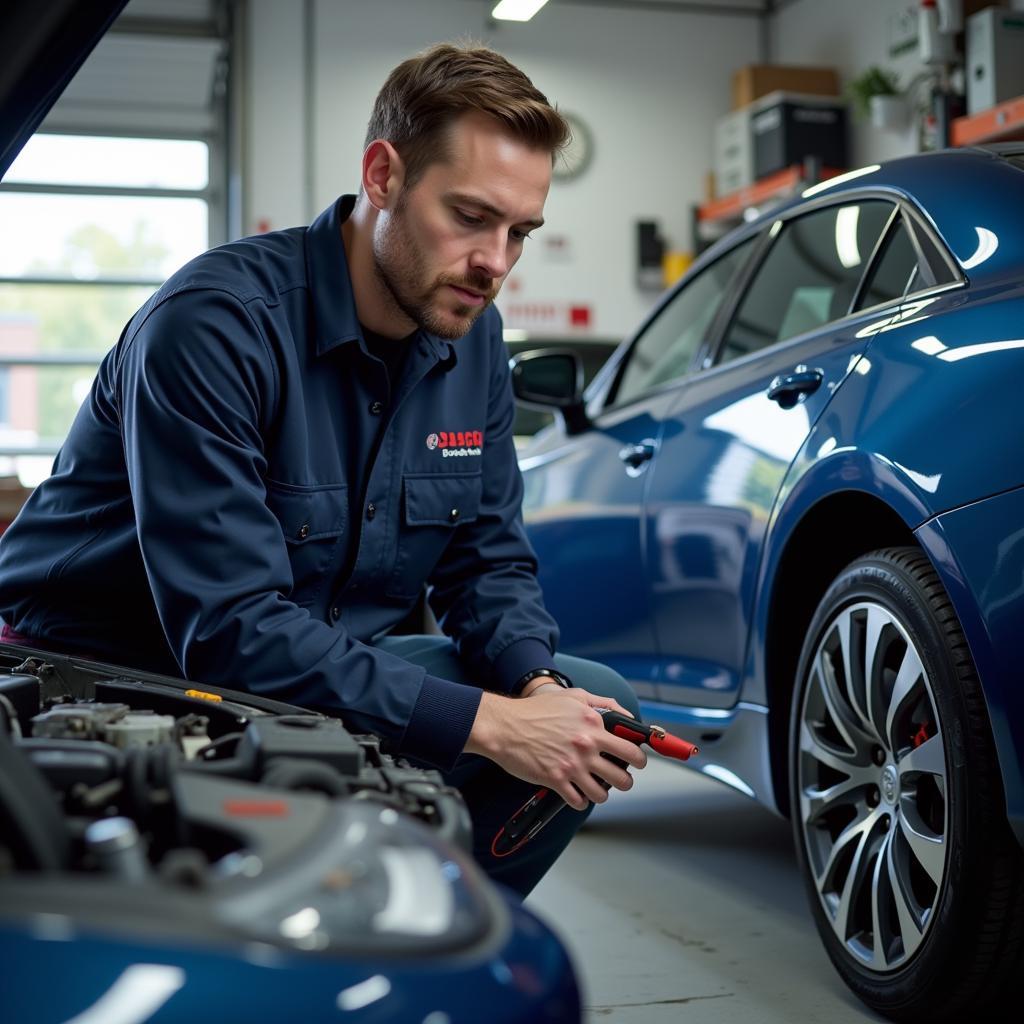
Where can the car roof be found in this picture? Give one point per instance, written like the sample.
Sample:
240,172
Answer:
973,197
42,45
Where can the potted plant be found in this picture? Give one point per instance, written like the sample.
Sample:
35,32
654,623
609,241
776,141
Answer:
876,94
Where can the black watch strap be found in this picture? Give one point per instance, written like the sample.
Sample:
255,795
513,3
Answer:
538,672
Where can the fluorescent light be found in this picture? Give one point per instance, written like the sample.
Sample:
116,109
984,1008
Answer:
136,994
355,997
517,10
987,245
716,771
301,924
926,483
930,346
839,179
846,236
954,355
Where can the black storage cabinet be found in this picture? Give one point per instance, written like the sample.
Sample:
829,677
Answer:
788,130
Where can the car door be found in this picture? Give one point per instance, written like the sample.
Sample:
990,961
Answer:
736,427
584,495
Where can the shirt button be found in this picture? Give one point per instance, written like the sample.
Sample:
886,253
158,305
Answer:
304,531
335,613
453,515
376,408
371,510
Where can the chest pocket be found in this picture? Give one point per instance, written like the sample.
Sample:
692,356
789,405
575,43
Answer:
313,521
433,505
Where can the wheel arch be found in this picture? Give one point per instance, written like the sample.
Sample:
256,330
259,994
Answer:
814,554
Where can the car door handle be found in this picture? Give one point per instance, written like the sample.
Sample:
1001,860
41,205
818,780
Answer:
787,388
635,455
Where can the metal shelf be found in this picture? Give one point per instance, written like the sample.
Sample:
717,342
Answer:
710,221
779,186
1002,123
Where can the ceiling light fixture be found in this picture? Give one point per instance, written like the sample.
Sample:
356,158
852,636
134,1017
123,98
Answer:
517,10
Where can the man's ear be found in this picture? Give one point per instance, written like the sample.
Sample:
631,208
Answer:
383,174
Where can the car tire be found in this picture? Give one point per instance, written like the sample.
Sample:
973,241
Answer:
916,882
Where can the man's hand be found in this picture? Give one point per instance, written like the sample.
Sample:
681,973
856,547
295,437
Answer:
555,739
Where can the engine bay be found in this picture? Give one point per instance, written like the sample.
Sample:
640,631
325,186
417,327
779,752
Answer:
245,815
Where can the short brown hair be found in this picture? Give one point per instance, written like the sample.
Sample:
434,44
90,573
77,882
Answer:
426,93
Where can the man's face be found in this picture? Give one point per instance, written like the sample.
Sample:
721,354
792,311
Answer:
443,251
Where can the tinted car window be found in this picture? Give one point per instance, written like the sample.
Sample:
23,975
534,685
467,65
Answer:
937,269
809,276
666,349
892,273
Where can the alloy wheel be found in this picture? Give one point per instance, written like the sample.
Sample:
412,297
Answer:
872,784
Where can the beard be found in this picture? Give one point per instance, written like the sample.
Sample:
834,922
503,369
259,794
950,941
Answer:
401,268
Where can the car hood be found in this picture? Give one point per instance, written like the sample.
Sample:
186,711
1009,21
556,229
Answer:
41,48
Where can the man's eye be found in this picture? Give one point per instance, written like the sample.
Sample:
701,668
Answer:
520,236
468,219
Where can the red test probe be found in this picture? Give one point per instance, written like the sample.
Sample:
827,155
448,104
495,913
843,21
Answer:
546,803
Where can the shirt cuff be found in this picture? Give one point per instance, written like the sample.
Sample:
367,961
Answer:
519,658
441,721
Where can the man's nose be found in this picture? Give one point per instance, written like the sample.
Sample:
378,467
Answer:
491,256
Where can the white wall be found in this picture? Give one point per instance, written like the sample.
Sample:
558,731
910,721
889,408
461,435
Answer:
649,84
849,36
274,136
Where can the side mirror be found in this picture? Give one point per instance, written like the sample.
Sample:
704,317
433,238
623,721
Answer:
552,380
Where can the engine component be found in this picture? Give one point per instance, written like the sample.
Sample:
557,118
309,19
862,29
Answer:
76,721
115,724
118,848
309,737
150,778
67,763
23,693
139,729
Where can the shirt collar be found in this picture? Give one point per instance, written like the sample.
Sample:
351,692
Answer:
334,303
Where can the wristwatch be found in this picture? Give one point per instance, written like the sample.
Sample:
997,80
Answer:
538,672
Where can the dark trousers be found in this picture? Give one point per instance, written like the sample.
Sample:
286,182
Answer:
493,795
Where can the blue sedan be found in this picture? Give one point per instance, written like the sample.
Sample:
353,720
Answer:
790,510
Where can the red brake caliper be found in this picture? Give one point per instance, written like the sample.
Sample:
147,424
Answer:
921,735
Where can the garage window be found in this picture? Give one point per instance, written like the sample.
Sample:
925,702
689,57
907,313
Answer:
92,225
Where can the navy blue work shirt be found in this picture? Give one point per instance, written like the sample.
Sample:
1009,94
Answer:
244,499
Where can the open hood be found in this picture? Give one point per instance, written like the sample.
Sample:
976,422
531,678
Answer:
42,45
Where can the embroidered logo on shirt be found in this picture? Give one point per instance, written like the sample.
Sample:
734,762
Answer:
457,443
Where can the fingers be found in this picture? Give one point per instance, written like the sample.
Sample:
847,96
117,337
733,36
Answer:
624,750
596,701
572,796
615,775
621,748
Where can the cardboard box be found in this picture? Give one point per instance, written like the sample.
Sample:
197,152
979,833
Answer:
788,128
756,80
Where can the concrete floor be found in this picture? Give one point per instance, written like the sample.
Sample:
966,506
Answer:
681,900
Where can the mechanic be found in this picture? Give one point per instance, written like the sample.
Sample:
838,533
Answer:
300,430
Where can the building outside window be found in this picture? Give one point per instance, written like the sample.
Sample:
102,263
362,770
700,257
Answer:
92,225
